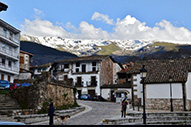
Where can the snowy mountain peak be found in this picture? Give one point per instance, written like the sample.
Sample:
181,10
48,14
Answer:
82,47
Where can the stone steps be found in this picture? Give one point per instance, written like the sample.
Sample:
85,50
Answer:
152,118
7,118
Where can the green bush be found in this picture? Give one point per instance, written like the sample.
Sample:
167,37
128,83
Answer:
4,92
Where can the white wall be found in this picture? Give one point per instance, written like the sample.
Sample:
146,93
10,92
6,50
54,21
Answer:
163,90
86,78
188,87
116,68
105,93
88,66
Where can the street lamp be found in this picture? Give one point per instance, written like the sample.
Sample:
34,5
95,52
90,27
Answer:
171,104
143,73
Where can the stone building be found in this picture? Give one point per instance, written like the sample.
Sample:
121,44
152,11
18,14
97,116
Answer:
88,73
157,83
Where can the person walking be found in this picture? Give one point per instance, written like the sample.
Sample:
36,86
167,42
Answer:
124,106
51,113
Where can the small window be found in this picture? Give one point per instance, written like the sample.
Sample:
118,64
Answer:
3,61
2,76
11,36
77,70
66,65
77,64
4,32
9,78
93,63
10,63
93,68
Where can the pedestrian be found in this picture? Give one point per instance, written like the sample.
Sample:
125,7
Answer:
51,113
124,106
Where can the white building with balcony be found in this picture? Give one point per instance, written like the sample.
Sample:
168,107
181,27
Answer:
9,51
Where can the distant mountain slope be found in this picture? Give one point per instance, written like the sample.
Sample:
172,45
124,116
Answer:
44,54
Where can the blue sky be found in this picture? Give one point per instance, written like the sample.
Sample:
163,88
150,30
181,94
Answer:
102,19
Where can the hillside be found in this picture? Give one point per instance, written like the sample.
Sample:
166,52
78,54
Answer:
44,54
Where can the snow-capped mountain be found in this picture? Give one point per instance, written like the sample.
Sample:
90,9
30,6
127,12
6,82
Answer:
88,47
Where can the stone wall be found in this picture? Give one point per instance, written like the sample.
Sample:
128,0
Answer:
34,96
106,72
164,104
188,105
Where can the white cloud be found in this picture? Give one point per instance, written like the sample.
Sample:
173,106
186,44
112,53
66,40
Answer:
38,13
127,28
39,27
101,17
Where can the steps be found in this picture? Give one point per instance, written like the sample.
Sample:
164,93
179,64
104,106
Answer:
7,105
165,118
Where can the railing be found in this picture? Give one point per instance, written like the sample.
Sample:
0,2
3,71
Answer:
93,84
7,67
78,85
8,52
14,38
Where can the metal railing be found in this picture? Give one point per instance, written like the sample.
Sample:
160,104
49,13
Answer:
10,68
8,52
14,38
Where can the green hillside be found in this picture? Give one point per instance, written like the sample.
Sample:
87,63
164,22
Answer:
167,46
108,50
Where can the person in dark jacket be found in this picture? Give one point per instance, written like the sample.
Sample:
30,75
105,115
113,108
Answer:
51,113
124,106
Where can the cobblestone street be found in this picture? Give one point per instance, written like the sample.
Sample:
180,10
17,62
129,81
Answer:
97,111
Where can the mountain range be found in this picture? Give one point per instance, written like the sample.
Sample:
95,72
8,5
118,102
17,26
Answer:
122,50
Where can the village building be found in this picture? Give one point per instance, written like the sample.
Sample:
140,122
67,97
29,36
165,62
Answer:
157,84
37,70
9,51
87,73
24,66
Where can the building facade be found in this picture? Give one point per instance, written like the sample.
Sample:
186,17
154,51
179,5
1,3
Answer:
24,66
87,73
158,86
9,51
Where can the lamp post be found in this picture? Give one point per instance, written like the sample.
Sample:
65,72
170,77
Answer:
143,73
171,104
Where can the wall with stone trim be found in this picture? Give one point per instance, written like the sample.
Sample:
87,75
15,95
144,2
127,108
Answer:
164,104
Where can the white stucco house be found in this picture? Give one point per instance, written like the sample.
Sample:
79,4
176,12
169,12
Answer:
87,73
157,84
9,51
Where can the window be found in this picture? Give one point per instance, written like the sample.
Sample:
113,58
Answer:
77,69
3,46
9,63
9,78
93,68
4,32
11,36
93,63
21,59
3,61
66,65
83,68
2,76
77,64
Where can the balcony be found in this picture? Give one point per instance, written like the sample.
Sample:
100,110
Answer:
12,54
78,85
15,39
93,84
10,69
